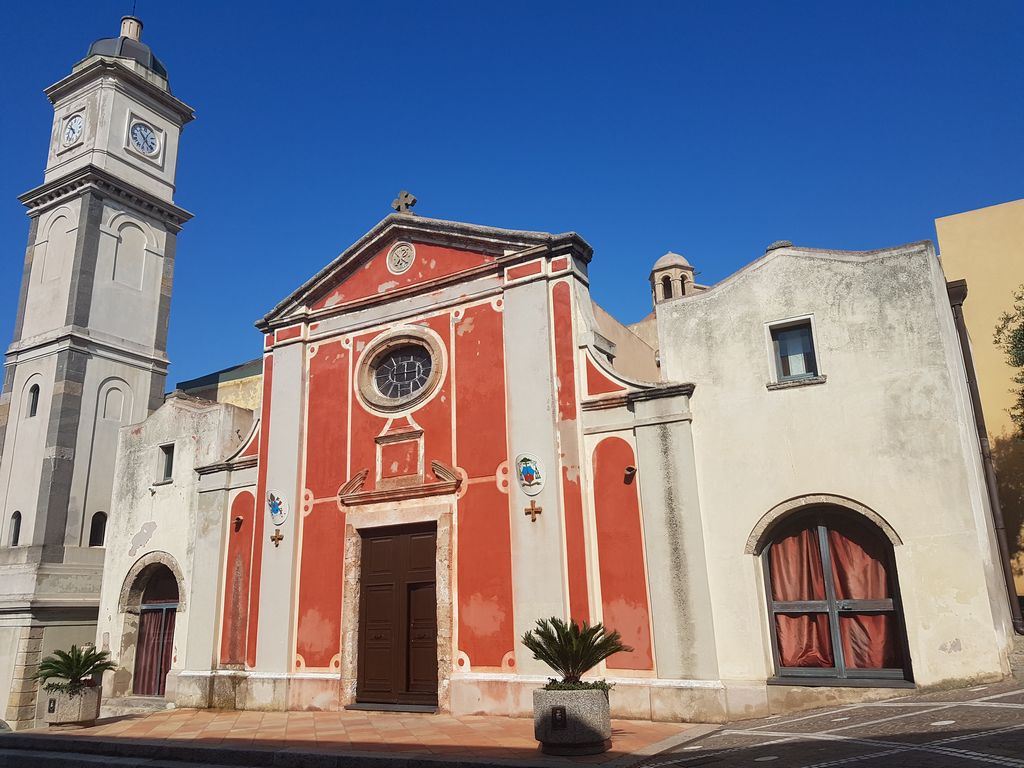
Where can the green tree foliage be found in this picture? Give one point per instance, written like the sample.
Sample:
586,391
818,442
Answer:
1009,335
570,650
75,667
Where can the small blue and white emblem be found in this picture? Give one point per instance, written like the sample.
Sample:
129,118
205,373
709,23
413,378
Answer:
277,507
529,474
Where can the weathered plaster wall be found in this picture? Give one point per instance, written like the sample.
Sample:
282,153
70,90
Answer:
890,427
154,520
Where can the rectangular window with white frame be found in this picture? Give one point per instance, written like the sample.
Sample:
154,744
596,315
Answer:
793,351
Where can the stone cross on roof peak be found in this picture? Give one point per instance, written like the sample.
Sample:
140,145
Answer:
404,202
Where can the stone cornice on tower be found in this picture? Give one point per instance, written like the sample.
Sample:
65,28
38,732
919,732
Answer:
102,65
90,177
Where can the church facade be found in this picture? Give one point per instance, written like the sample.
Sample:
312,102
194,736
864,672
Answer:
771,487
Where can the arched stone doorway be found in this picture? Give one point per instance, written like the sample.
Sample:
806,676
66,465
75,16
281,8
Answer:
151,598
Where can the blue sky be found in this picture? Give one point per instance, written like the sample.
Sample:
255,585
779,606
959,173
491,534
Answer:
708,128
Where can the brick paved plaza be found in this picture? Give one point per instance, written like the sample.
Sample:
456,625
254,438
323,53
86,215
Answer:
978,726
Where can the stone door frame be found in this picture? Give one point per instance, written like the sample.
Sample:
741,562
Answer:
362,518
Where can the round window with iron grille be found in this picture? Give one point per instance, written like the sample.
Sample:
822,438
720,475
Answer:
400,371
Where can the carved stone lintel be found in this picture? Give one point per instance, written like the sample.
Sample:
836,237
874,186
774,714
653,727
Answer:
448,482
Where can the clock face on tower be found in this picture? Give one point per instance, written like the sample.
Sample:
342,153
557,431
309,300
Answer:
144,138
73,130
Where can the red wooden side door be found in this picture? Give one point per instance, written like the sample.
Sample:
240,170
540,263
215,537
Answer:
398,617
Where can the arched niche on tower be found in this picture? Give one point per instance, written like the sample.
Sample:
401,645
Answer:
54,250
134,241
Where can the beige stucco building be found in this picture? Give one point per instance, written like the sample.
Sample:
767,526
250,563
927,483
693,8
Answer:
985,247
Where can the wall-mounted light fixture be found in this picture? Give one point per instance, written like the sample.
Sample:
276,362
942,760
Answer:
630,474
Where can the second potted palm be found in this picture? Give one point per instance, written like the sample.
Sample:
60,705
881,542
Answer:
69,677
571,715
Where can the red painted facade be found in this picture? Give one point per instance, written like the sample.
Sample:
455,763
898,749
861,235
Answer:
237,581
572,497
484,578
598,383
261,492
373,279
621,553
318,636
351,449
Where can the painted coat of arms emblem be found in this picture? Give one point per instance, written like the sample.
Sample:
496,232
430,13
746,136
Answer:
277,507
531,477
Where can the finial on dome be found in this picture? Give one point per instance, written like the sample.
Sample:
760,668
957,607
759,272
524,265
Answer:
131,26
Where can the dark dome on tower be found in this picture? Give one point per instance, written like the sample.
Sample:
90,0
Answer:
129,46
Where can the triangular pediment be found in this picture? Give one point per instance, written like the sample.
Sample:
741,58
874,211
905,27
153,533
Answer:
445,251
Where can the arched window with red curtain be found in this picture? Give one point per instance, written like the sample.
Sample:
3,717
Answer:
833,599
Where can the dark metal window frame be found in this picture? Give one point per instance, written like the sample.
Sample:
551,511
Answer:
839,674
166,463
773,331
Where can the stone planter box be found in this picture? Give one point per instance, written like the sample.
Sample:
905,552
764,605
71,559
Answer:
64,709
572,722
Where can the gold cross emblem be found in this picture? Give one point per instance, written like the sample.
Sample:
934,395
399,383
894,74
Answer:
533,510
277,538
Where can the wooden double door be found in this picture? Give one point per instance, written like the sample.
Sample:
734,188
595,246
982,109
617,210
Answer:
398,616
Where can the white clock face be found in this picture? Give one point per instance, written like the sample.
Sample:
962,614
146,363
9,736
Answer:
73,129
144,138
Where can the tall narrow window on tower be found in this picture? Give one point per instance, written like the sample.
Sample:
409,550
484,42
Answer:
15,528
33,400
98,529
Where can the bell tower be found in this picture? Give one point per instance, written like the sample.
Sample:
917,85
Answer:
89,348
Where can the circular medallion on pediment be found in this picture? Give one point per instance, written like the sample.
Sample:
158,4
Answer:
401,257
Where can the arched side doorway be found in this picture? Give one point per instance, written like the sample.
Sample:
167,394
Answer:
833,600
156,633
150,601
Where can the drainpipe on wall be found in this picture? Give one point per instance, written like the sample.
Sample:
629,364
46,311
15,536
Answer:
957,291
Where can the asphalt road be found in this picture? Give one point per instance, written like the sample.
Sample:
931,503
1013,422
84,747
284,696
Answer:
964,728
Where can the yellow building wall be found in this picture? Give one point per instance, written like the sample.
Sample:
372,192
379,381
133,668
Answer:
245,393
986,248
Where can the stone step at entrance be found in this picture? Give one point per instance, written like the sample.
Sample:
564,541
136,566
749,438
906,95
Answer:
133,705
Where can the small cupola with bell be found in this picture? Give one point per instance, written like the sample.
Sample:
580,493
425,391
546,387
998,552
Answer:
671,278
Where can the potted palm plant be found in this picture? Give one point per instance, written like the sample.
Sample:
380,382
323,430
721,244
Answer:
71,678
571,715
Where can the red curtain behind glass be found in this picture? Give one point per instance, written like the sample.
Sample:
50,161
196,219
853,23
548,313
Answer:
859,573
147,654
797,574
153,653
